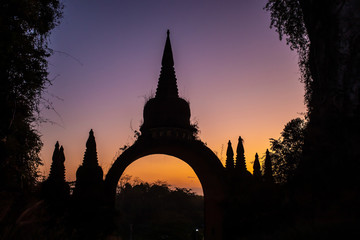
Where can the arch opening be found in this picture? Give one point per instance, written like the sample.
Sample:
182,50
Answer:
163,168
161,203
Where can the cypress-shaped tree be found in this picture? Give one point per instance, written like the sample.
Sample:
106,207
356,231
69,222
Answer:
268,173
256,167
229,164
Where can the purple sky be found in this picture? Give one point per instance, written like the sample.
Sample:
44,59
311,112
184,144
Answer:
239,78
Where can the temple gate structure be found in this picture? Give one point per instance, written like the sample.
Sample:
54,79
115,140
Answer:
166,129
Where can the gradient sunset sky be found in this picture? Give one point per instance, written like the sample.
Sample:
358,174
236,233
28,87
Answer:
239,78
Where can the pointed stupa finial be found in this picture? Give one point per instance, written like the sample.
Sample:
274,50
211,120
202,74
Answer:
240,147
91,140
61,154
167,59
56,151
57,168
167,86
90,156
229,149
240,156
229,164
257,168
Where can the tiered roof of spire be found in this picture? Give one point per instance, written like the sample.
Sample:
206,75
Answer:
167,86
257,169
90,156
229,156
57,169
240,156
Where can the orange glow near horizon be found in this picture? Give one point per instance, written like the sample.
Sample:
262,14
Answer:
159,167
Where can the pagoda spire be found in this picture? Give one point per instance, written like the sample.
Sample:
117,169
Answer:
90,156
229,157
55,162
256,167
167,109
57,169
240,156
268,173
55,187
167,59
167,86
89,177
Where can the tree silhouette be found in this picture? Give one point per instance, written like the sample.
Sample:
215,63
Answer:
156,211
287,150
326,36
229,164
257,169
24,28
325,33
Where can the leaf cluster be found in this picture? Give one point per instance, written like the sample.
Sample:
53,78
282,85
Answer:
287,150
287,18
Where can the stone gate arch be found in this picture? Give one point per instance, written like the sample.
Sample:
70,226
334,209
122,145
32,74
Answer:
200,158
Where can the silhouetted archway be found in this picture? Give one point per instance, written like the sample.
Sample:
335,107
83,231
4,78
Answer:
200,158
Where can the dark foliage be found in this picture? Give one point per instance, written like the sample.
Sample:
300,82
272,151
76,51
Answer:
155,211
287,19
287,150
25,26
326,35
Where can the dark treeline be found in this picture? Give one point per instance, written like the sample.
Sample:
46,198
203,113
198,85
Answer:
157,211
